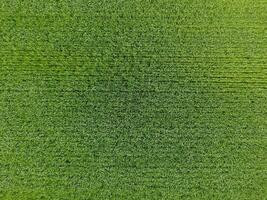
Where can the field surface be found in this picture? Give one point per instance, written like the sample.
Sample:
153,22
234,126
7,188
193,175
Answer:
133,99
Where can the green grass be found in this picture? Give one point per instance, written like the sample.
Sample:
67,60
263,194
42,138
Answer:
133,99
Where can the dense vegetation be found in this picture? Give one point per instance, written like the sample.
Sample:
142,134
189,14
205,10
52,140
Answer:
134,99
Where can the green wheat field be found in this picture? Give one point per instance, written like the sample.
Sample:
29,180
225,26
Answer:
133,99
